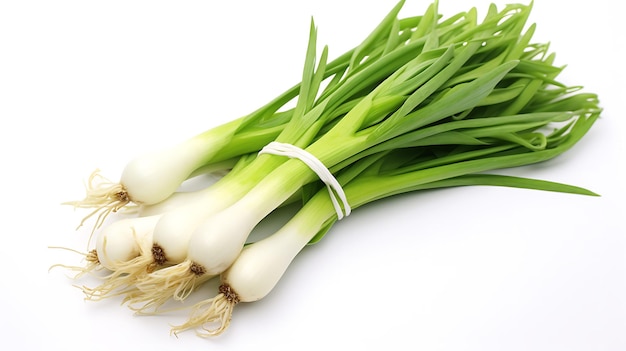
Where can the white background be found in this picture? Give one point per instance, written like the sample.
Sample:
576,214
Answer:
87,84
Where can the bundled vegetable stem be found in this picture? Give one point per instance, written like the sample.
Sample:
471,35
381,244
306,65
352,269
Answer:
260,265
422,102
419,87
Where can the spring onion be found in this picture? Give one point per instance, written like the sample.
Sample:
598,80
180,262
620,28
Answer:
260,265
174,229
422,102
451,77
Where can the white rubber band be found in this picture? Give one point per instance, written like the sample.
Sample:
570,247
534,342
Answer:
334,188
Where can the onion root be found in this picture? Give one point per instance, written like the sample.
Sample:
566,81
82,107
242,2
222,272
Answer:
216,312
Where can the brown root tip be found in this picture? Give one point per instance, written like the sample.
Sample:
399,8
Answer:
229,293
158,254
197,269
212,317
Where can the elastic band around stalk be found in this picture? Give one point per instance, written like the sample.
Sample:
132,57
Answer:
334,188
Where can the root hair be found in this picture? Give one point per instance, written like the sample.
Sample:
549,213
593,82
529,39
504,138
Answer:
122,277
211,317
175,282
92,263
103,196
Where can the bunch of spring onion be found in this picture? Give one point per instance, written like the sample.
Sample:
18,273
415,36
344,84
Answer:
422,103
150,181
353,74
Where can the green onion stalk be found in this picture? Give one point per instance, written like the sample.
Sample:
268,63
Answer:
480,91
261,264
154,177
317,109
